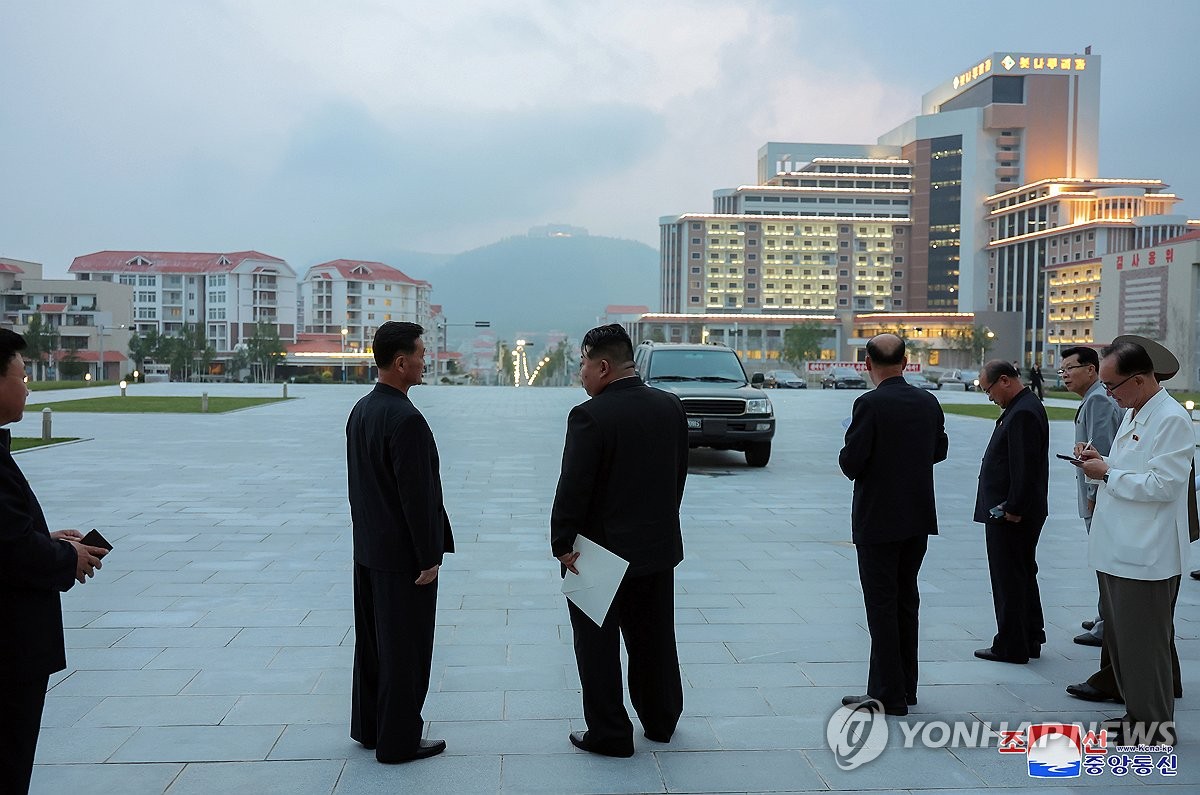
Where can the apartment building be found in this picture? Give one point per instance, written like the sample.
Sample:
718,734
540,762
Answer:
227,294
92,321
359,296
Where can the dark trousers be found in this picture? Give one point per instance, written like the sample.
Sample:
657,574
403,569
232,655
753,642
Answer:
1140,641
888,573
643,613
21,705
1105,680
393,652
1012,563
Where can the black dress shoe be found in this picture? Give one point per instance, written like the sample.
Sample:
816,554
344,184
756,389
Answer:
1088,693
424,750
912,700
991,656
1035,652
873,705
1088,639
1087,625
580,741
656,737
1195,575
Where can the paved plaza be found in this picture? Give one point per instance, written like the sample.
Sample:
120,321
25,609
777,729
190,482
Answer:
212,653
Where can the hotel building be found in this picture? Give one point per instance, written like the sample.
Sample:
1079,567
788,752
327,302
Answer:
1009,119
1046,241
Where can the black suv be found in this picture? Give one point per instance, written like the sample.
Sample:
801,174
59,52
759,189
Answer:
724,411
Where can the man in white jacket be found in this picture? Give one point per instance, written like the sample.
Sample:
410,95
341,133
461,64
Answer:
1140,533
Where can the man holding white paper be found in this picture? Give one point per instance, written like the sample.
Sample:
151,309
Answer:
623,471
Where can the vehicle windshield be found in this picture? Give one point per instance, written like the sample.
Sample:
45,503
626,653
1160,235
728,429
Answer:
786,375
685,365
845,372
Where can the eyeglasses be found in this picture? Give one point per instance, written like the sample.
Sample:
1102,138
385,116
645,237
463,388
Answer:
1070,367
1111,389
988,389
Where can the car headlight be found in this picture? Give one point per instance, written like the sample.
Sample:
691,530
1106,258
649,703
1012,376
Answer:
758,406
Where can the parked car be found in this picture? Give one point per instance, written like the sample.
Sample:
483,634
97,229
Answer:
918,380
725,410
843,378
968,378
783,379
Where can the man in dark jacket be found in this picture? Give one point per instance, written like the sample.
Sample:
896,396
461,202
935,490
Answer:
896,435
623,470
35,565
400,534
1011,504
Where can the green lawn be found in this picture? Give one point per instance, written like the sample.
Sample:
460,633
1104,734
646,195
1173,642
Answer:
150,404
992,412
25,444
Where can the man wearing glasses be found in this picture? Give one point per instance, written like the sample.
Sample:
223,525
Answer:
1096,423
1140,534
1011,504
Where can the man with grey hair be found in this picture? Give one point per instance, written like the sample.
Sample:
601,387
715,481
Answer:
1145,510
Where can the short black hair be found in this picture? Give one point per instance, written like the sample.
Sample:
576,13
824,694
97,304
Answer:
1085,354
11,343
608,342
1131,358
394,338
888,354
998,367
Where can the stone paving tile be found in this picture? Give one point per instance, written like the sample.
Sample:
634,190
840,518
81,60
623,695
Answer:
309,777
198,744
124,778
230,589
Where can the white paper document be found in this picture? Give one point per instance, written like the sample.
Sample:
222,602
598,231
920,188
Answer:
600,573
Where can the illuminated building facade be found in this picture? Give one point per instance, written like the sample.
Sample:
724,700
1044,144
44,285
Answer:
1045,241
1007,120
732,263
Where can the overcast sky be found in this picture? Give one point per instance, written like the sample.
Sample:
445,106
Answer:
311,129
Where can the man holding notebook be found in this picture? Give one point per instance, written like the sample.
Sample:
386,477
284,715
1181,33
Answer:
623,470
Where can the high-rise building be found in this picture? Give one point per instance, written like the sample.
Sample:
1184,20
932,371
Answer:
1009,119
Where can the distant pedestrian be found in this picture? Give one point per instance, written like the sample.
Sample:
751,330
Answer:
896,434
35,565
1012,505
1035,381
401,532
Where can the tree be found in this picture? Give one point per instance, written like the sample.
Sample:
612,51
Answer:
143,347
803,341
41,340
71,365
264,349
975,341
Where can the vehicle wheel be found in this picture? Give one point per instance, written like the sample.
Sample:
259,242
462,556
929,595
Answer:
758,454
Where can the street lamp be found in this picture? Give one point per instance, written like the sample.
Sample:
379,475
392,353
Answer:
345,331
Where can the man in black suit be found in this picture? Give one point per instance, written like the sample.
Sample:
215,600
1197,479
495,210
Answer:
1011,504
623,470
400,534
896,435
35,565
